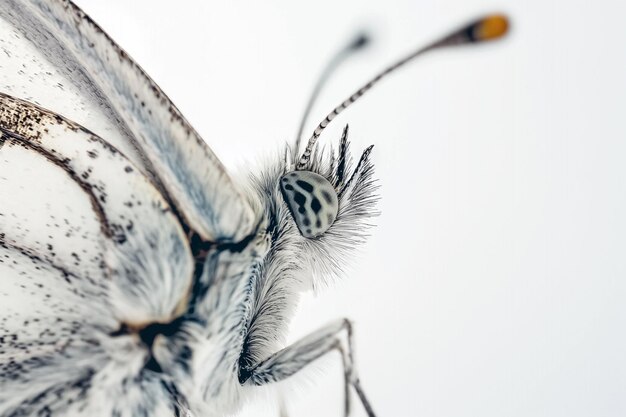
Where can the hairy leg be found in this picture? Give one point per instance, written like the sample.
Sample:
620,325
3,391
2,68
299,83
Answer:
293,358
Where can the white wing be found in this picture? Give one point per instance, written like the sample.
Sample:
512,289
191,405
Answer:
53,348
139,243
86,243
55,55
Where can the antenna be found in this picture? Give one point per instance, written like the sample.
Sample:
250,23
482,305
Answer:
359,42
485,29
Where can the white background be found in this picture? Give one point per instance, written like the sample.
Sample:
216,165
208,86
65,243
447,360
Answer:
494,284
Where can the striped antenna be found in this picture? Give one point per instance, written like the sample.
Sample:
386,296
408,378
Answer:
484,29
359,42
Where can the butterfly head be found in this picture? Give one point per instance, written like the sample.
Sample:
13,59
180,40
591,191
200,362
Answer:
317,214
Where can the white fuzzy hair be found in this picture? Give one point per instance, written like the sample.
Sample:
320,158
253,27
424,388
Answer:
295,263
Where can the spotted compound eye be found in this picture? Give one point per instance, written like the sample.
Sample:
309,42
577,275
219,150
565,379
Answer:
312,200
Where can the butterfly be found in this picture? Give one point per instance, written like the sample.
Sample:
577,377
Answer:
137,277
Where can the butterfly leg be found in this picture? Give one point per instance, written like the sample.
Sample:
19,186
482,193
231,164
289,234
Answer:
293,358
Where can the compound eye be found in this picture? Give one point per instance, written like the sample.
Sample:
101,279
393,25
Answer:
312,201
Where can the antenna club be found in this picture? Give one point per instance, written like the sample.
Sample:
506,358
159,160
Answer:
490,27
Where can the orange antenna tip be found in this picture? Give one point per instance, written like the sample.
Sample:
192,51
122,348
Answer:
490,27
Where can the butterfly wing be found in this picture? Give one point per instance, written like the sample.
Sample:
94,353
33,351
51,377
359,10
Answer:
57,56
138,243
86,243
